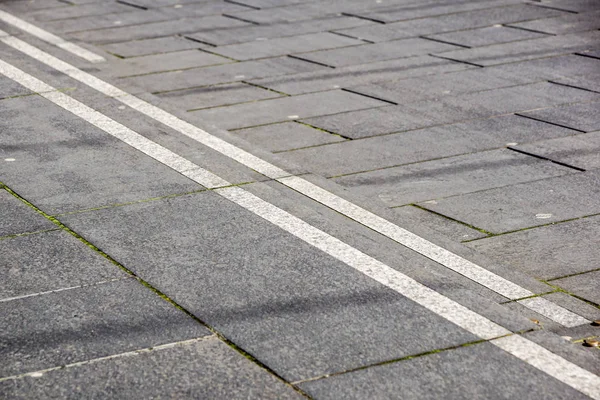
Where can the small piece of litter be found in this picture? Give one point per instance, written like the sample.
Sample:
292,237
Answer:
591,343
117,23
535,321
121,107
596,322
9,159
37,374
543,216
177,6
567,337
293,116
239,76
512,144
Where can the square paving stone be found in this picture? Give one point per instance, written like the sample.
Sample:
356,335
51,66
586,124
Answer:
298,310
584,117
146,47
450,176
217,95
567,23
285,109
581,151
370,53
546,252
49,261
481,371
421,145
286,45
17,217
527,204
584,285
204,369
286,136
60,328
486,36
63,163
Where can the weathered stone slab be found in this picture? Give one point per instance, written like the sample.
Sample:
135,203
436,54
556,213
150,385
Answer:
16,217
568,23
584,117
584,285
167,44
486,36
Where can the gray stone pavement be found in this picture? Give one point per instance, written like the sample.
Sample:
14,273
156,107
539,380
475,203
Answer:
473,124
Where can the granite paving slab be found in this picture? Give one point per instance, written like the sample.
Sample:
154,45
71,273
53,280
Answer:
60,328
16,217
110,21
572,5
581,151
486,36
546,252
50,261
584,285
586,83
84,10
552,68
451,176
567,23
584,117
9,88
527,204
167,44
478,371
207,368
299,311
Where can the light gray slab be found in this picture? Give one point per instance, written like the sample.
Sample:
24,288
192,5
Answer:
50,261
31,5
546,252
526,50
63,163
567,23
167,44
451,176
450,22
286,136
299,311
591,83
217,95
154,63
584,117
200,9
9,88
285,109
478,371
451,229
572,5
584,285
576,305
421,145
84,10
527,204
582,151
286,45
204,369
60,328
370,53
486,36
110,21
17,217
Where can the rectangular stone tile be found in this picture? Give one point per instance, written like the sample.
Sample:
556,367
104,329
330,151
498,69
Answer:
285,109
420,145
567,23
572,5
370,53
584,117
59,328
275,30
63,163
526,205
451,229
202,9
286,136
17,217
167,44
546,252
526,50
573,352
217,95
327,79
207,368
160,3
478,371
299,311
111,21
227,73
155,29
584,285
286,45
450,176
590,83
552,68
9,88
582,151
150,64
49,261
450,22
28,6
486,36
85,10
578,306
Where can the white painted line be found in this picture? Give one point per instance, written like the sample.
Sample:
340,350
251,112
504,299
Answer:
400,235
50,38
552,364
40,373
382,273
561,315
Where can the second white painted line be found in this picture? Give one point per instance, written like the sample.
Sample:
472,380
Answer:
400,235
524,349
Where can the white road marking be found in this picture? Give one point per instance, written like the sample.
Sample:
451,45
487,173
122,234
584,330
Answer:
400,235
50,38
454,312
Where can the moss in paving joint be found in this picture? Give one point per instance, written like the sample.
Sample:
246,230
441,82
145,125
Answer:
533,296
153,289
574,274
323,130
28,233
266,88
454,220
561,290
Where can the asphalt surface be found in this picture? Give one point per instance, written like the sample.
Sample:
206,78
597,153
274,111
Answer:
299,199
